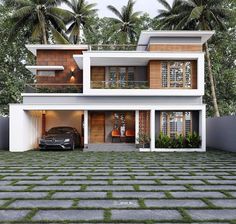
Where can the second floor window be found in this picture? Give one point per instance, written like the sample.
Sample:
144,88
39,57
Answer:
121,76
176,74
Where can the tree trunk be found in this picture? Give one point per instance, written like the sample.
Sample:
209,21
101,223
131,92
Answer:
78,37
213,92
42,24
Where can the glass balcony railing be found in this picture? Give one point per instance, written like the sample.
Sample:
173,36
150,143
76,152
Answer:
119,85
53,88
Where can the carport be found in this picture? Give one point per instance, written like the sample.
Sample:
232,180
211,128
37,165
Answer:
30,125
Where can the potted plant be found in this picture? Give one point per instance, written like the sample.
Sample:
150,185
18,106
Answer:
144,140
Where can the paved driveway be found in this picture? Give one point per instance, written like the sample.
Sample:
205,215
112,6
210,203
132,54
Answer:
118,187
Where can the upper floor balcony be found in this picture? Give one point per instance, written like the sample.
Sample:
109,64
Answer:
165,63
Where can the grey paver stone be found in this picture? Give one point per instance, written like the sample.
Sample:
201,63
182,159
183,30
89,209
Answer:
161,187
4,182
41,203
214,187
89,182
109,188
182,182
212,214
72,215
227,203
145,214
134,182
13,188
56,188
109,203
79,195
66,177
38,182
222,181
23,194
197,194
198,177
138,195
172,203
12,215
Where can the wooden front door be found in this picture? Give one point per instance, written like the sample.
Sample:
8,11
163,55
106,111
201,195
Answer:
97,127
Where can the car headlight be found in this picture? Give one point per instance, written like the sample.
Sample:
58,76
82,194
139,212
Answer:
67,140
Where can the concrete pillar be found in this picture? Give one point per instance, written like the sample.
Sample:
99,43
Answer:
85,129
152,129
136,126
202,127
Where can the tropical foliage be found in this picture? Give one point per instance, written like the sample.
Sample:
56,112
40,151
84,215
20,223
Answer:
196,15
46,21
191,140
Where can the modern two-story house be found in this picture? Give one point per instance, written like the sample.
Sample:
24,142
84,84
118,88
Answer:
112,96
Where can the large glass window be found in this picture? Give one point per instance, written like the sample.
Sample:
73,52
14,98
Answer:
176,74
176,123
121,76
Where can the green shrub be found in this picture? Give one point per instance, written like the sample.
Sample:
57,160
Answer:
190,141
193,140
164,141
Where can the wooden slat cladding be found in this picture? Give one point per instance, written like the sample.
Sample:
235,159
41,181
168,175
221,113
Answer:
154,74
194,74
98,73
175,47
97,127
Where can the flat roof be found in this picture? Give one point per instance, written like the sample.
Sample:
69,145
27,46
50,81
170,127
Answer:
34,47
145,36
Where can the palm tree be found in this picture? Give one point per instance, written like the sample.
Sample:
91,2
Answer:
197,15
126,20
79,18
42,16
169,12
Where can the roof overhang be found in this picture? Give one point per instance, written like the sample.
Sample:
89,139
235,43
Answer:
34,47
145,36
36,68
130,58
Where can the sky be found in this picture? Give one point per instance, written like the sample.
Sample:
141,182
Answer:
149,6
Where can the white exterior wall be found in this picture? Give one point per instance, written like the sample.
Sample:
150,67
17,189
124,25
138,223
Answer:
25,122
25,129
135,59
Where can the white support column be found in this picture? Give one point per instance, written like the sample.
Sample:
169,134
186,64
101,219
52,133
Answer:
152,129
136,126
86,74
85,128
202,127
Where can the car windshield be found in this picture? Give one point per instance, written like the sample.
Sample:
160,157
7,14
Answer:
61,130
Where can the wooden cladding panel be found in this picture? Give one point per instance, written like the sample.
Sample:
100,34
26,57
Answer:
154,74
194,74
97,127
98,73
175,47
62,58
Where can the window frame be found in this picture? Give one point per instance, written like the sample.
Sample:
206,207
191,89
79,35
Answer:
183,125
168,63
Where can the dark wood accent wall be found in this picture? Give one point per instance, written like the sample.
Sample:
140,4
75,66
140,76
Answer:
194,74
98,73
61,58
97,127
175,47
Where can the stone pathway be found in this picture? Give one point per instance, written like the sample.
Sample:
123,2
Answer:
75,187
